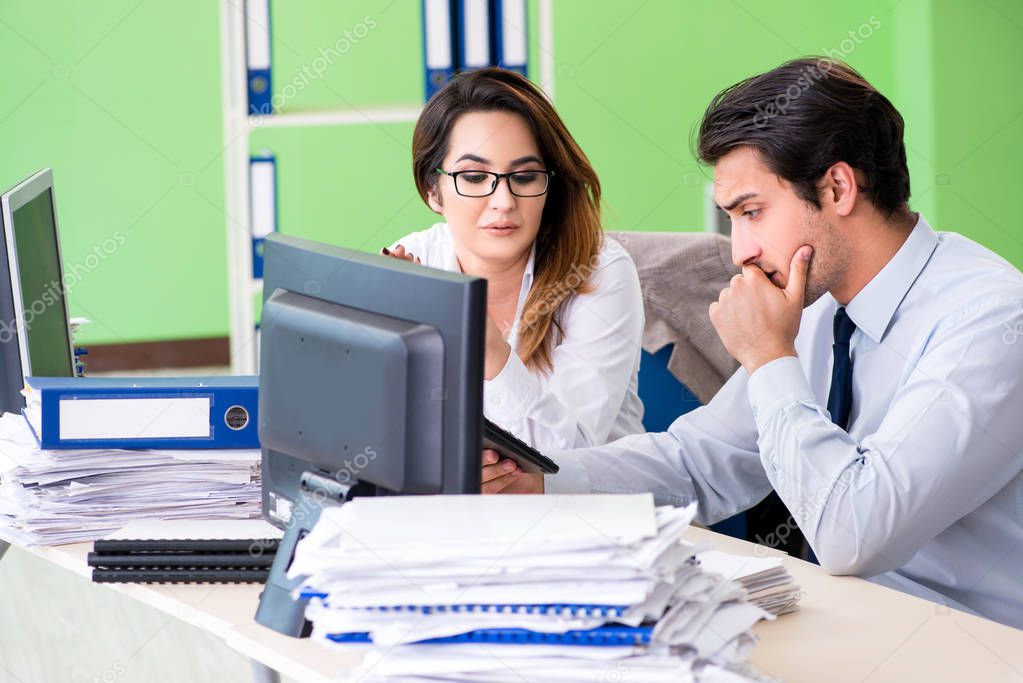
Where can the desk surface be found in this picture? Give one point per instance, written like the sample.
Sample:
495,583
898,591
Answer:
846,629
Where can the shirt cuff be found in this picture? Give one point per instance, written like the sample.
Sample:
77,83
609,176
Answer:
776,385
572,476
507,397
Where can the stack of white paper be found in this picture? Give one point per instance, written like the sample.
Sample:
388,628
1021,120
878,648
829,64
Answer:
523,588
482,663
51,497
768,584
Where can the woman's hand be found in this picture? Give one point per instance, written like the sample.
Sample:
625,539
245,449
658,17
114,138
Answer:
505,476
497,351
399,253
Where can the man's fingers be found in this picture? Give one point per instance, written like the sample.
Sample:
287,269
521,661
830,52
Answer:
750,273
796,286
490,456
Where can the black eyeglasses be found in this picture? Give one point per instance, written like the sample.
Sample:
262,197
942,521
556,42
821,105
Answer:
484,183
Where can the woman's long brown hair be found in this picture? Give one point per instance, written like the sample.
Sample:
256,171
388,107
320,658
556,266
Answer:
570,236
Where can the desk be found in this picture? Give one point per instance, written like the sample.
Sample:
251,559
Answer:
846,629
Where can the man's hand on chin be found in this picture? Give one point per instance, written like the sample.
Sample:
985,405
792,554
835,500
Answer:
757,320
505,476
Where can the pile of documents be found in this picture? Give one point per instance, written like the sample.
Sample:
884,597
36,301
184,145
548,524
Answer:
52,497
528,588
767,583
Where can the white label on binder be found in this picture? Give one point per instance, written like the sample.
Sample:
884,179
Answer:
476,26
513,26
134,418
261,184
438,34
257,33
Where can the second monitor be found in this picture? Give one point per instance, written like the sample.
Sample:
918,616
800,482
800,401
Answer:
371,382
364,354
35,337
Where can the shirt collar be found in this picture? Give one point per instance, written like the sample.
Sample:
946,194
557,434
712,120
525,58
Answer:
875,305
527,275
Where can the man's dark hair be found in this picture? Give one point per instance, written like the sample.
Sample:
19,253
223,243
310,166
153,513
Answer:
805,116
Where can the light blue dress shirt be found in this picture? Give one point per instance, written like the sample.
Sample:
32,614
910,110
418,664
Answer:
924,493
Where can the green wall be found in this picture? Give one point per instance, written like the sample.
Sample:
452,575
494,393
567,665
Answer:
123,100
978,110
634,84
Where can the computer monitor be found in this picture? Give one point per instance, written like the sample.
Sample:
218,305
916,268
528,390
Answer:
35,336
371,382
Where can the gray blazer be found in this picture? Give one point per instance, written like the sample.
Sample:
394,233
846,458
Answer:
681,274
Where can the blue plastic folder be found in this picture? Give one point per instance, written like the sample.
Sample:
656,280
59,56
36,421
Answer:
438,44
258,57
603,636
262,204
131,412
609,635
509,34
553,609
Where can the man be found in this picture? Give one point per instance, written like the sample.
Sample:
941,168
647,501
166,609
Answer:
881,388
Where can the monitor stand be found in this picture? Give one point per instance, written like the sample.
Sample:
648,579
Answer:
278,610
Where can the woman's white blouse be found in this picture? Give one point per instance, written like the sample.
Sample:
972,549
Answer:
589,397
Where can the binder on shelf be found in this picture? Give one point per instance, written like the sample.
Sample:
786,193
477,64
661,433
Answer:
134,412
509,34
257,317
473,34
262,206
438,45
258,57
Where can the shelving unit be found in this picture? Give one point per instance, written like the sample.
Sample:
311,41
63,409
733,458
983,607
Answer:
243,290
337,117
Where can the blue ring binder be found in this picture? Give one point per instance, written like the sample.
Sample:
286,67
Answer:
604,636
558,609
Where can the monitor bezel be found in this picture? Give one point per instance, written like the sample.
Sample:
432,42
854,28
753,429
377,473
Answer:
308,262
11,201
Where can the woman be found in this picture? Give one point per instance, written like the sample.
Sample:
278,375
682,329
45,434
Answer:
521,205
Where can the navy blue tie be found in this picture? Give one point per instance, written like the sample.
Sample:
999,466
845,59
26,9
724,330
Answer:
840,395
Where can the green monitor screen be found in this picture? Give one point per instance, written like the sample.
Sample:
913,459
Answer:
41,308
